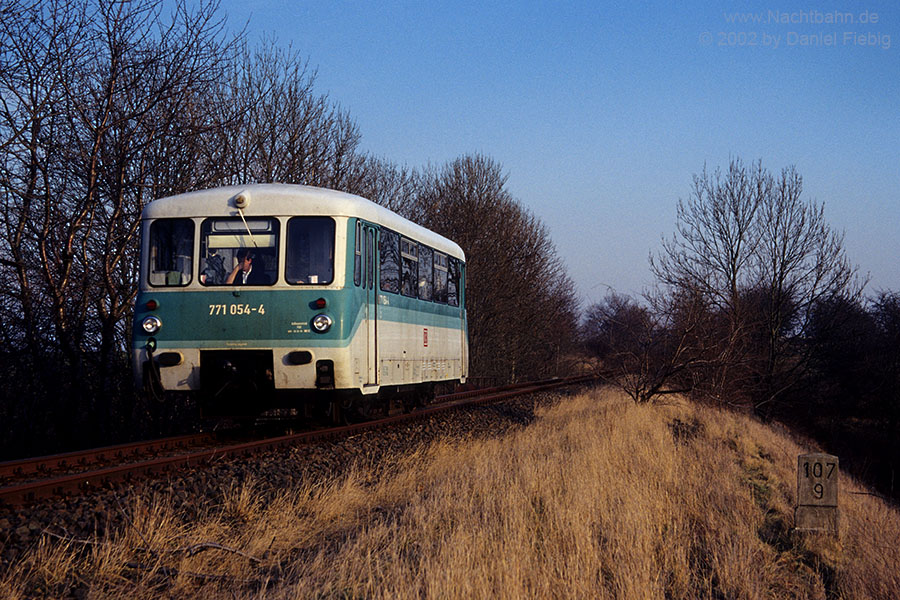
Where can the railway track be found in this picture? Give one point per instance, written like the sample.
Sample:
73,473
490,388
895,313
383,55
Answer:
50,476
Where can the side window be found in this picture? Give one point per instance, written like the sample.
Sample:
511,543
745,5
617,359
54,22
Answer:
357,257
440,278
171,252
370,257
310,251
390,261
453,283
426,274
409,277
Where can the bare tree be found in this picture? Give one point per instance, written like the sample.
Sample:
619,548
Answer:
801,262
762,257
93,93
393,186
887,315
138,76
37,53
33,47
521,305
650,349
283,131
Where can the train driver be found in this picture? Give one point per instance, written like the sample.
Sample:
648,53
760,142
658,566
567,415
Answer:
243,273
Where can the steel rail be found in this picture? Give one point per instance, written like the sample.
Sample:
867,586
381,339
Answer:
24,493
56,462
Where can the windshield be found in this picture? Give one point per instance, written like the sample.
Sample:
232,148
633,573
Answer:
238,252
235,251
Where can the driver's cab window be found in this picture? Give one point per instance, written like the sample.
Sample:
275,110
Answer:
234,251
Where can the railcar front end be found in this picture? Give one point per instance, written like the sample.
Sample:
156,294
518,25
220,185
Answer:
267,296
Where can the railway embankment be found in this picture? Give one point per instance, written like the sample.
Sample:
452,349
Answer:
593,496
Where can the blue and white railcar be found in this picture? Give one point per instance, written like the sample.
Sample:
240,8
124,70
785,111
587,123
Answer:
340,299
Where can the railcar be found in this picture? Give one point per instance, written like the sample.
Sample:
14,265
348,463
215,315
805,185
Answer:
342,303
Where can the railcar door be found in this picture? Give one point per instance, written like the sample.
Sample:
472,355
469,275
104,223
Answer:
371,305
463,327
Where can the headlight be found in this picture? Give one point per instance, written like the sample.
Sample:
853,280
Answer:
151,324
321,323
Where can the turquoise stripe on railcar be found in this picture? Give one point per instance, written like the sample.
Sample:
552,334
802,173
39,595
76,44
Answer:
271,317
277,317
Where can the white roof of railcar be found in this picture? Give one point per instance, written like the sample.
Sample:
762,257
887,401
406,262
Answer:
278,199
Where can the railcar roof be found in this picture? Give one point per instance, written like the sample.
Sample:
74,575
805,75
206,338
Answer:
276,199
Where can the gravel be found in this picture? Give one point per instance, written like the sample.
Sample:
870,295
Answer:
86,517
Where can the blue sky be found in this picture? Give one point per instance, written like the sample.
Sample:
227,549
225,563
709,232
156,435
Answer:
601,114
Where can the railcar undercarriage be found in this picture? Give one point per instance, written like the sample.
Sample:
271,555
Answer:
240,383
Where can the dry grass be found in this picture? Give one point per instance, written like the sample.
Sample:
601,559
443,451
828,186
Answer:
599,498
